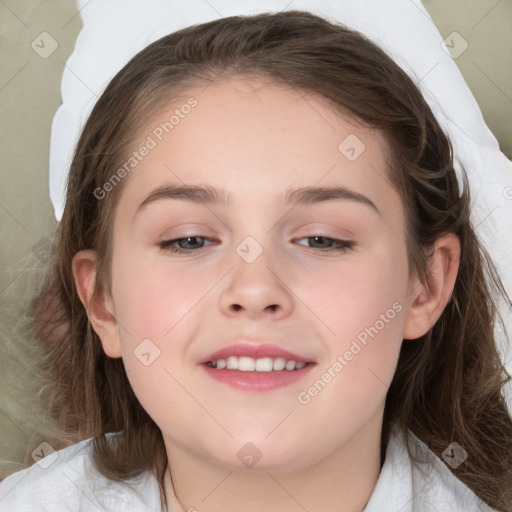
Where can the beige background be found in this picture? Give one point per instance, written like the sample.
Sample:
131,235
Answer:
29,97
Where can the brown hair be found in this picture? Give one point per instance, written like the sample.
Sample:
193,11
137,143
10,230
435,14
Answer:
448,384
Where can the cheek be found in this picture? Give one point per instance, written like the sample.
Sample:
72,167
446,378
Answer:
159,309
360,293
154,296
361,307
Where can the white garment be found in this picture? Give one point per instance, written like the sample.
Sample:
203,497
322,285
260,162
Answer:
70,484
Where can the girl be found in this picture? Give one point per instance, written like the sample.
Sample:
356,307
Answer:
270,295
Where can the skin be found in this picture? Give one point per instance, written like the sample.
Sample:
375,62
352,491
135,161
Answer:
256,141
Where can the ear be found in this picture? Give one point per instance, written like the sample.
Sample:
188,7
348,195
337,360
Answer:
428,300
98,305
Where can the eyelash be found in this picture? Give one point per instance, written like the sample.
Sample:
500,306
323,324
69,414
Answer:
343,245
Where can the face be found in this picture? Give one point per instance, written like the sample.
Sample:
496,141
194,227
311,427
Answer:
322,281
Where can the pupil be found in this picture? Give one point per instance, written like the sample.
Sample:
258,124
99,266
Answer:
317,238
186,240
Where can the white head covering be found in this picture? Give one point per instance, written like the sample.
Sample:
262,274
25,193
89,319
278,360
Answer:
403,28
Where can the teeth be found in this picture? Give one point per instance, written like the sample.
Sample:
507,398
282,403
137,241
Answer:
290,365
279,363
248,364
264,365
232,363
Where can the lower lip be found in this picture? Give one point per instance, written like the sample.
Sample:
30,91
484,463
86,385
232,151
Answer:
257,381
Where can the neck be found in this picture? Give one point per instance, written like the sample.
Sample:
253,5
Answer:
344,480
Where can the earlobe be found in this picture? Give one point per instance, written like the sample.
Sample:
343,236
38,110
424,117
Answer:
428,300
96,302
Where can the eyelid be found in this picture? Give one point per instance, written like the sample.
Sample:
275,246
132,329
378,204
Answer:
326,229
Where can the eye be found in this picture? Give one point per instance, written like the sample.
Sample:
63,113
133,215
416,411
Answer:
333,243
193,243
175,244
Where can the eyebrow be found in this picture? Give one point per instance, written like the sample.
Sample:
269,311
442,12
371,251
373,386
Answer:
207,194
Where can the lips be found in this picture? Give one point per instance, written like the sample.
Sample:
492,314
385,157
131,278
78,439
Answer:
256,367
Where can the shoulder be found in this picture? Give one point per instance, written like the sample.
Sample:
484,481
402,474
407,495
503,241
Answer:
419,483
66,480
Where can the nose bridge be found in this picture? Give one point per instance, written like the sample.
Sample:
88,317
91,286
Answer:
255,283
255,261
254,230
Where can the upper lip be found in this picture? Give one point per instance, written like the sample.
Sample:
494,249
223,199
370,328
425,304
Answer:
255,351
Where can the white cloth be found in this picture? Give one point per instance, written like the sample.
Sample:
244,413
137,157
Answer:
70,484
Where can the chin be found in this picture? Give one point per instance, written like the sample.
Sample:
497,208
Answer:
259,454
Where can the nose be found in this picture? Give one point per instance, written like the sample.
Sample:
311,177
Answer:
257,290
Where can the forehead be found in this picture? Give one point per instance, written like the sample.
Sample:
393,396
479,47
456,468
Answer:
256,141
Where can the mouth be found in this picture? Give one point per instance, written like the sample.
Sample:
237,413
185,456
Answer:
256,367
